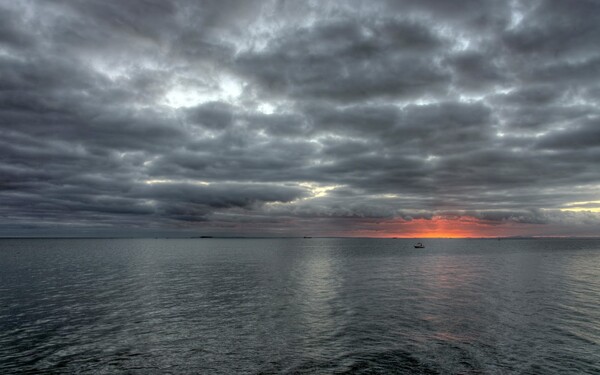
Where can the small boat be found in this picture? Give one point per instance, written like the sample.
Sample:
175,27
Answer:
419,246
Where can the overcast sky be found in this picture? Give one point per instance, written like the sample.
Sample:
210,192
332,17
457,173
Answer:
399,118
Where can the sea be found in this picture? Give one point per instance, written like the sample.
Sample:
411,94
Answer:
300,306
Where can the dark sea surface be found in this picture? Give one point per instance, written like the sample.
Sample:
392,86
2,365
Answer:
229,306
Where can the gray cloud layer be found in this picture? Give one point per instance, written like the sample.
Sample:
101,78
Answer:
273,117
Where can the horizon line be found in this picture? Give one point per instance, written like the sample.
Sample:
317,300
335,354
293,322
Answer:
209,237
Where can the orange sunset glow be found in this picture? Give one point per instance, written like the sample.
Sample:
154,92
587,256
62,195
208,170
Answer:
439,227
446,227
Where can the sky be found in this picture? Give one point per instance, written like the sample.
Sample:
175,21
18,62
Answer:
415,118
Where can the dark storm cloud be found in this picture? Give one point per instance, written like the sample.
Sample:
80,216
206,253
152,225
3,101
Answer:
581,136
476,70
556,28
348,59
272,116
219,195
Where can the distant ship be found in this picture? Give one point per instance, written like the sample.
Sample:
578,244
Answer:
419,246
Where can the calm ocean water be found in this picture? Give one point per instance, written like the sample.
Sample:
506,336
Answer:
225,306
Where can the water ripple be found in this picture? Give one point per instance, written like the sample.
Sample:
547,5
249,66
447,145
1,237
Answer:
299,306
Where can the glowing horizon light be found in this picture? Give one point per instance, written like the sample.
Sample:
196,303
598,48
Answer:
580,206
440,227
445,227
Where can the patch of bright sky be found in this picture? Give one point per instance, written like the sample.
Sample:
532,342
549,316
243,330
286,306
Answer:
110,70
386,196
180,96
591,206
229,89
516,14
266,108
461,43
421,101
169,181
119,68
467,98
181,91
581,100
317,190
6,54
